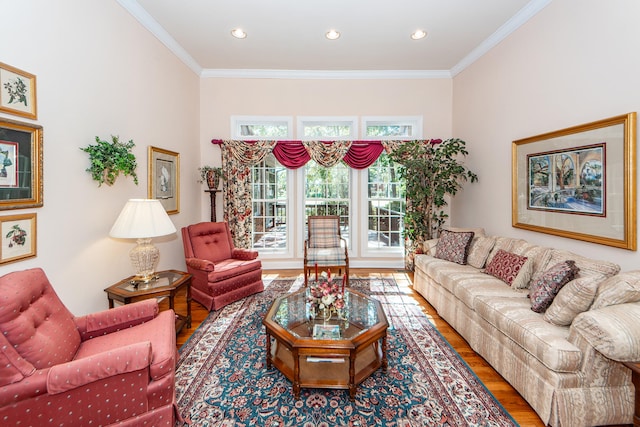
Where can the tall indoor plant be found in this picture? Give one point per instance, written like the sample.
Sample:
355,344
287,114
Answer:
432,170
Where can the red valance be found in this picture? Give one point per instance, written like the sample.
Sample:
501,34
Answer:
294,154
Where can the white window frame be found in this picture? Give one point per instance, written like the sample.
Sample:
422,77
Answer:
353,201
416,123
236,123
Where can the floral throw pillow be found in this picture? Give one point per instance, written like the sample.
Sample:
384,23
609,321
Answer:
546,287
454,246
505,266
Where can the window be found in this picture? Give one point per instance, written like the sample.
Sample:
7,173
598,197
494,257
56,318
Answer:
385,193
269,195
327,191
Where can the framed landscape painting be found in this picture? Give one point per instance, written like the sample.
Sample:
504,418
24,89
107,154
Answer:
17,92
164,178
20,165
579,182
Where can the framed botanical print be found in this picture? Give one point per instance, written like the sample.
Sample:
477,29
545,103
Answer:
17,92
18,234
164,178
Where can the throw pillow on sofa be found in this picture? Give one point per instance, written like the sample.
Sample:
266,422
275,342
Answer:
453,246
574,298
620,289
546,287
479,251
507,266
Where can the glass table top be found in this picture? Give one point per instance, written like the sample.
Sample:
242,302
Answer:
294,313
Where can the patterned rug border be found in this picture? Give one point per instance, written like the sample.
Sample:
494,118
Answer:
409,325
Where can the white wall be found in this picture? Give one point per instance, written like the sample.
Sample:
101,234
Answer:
99,72
573,63
223,98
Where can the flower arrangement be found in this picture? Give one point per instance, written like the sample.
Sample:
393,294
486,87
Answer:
325,296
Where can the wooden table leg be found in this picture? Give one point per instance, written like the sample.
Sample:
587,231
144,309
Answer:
296,374
352,375
384,354
268,343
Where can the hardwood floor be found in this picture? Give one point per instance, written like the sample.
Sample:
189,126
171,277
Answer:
503,392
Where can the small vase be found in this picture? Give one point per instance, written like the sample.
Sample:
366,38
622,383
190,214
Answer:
213,180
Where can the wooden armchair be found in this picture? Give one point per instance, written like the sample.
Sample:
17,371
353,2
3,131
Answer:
325,248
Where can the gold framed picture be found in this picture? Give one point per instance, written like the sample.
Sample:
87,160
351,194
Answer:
164,178
579,182
17,92
20,165
19,237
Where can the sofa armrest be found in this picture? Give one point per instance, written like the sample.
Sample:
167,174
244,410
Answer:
243,254
74,374
200,264
612,331
429,246
115,319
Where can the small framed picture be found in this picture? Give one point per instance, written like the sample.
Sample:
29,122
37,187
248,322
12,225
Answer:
17,92
164,178
18,233
21,183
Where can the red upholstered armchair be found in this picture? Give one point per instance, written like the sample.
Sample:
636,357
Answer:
114,366
222,273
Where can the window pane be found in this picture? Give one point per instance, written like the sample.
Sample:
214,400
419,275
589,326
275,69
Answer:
390,130
267,130
327,193
386,204
269,204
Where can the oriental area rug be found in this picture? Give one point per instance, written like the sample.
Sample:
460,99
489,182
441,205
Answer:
222,378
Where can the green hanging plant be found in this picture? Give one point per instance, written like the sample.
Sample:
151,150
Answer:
109,159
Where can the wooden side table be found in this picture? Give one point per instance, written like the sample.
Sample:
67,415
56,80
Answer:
167,284
635,378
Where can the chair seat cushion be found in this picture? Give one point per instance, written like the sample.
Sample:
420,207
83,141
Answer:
233,267
326,256
161,332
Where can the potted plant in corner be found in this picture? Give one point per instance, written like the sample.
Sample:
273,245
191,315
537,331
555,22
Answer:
110,159
211,175
432,171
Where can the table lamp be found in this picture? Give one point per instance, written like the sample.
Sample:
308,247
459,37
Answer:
143,219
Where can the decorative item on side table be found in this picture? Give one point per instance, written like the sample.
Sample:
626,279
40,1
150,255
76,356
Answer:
143,219
164,178
211,176
109,159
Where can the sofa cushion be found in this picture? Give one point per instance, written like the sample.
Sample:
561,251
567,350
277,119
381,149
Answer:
546,342
544,290
453,246
479,251
471,286
13,367
506,266
619,289
574,298
504,243
588,267
444,272
611,330
538,255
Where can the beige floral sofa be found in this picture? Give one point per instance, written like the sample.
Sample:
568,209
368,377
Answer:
565,359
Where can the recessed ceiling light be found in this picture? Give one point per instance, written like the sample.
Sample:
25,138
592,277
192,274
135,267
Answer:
238,33
332,35
418,34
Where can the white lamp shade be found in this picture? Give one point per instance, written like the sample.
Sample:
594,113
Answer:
141,219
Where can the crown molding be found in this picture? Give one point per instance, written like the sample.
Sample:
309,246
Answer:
325,74
526,13
147,21
520,18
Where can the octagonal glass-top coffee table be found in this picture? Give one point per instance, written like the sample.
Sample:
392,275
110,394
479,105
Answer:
334,353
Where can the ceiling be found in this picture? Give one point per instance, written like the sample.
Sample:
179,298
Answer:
288,36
